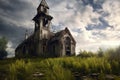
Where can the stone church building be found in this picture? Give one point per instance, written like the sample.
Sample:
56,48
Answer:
43,42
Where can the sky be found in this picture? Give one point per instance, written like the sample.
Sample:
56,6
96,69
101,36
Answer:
93,23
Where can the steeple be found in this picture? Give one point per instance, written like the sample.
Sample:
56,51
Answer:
43,7
44,3
42,19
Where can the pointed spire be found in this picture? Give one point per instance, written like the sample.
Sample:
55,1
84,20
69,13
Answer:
44,3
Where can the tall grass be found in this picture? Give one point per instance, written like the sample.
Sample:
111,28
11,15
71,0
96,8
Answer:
20,70
85,65
54,70
62,68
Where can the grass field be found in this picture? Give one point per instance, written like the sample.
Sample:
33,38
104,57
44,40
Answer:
66,68
82,67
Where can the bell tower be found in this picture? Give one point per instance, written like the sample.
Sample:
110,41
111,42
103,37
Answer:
42,20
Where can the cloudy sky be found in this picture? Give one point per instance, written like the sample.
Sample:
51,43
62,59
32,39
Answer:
93,23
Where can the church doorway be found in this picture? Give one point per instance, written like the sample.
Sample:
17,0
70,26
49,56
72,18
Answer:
68,46
68,53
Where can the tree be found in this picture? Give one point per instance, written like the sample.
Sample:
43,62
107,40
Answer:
100,53
86,54
3,46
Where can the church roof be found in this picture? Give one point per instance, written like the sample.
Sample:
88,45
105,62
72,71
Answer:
60,34
44,3
67,30
25,41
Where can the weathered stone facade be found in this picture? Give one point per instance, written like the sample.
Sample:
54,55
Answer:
43,42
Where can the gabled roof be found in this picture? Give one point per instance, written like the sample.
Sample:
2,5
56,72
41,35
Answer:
44,3
67,30
25,41
61,33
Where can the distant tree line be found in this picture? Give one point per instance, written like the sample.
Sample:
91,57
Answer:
111,54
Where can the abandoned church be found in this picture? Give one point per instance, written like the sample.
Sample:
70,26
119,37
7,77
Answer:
43,42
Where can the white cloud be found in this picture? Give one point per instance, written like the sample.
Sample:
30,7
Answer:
113,8
10,50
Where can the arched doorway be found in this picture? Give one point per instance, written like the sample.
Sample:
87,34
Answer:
68,46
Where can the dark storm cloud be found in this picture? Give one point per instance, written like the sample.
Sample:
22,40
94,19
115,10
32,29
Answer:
11,32
15,9
13,5
12,14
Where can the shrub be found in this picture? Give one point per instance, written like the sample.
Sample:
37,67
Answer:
113,54
115,67
85,54
100,53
